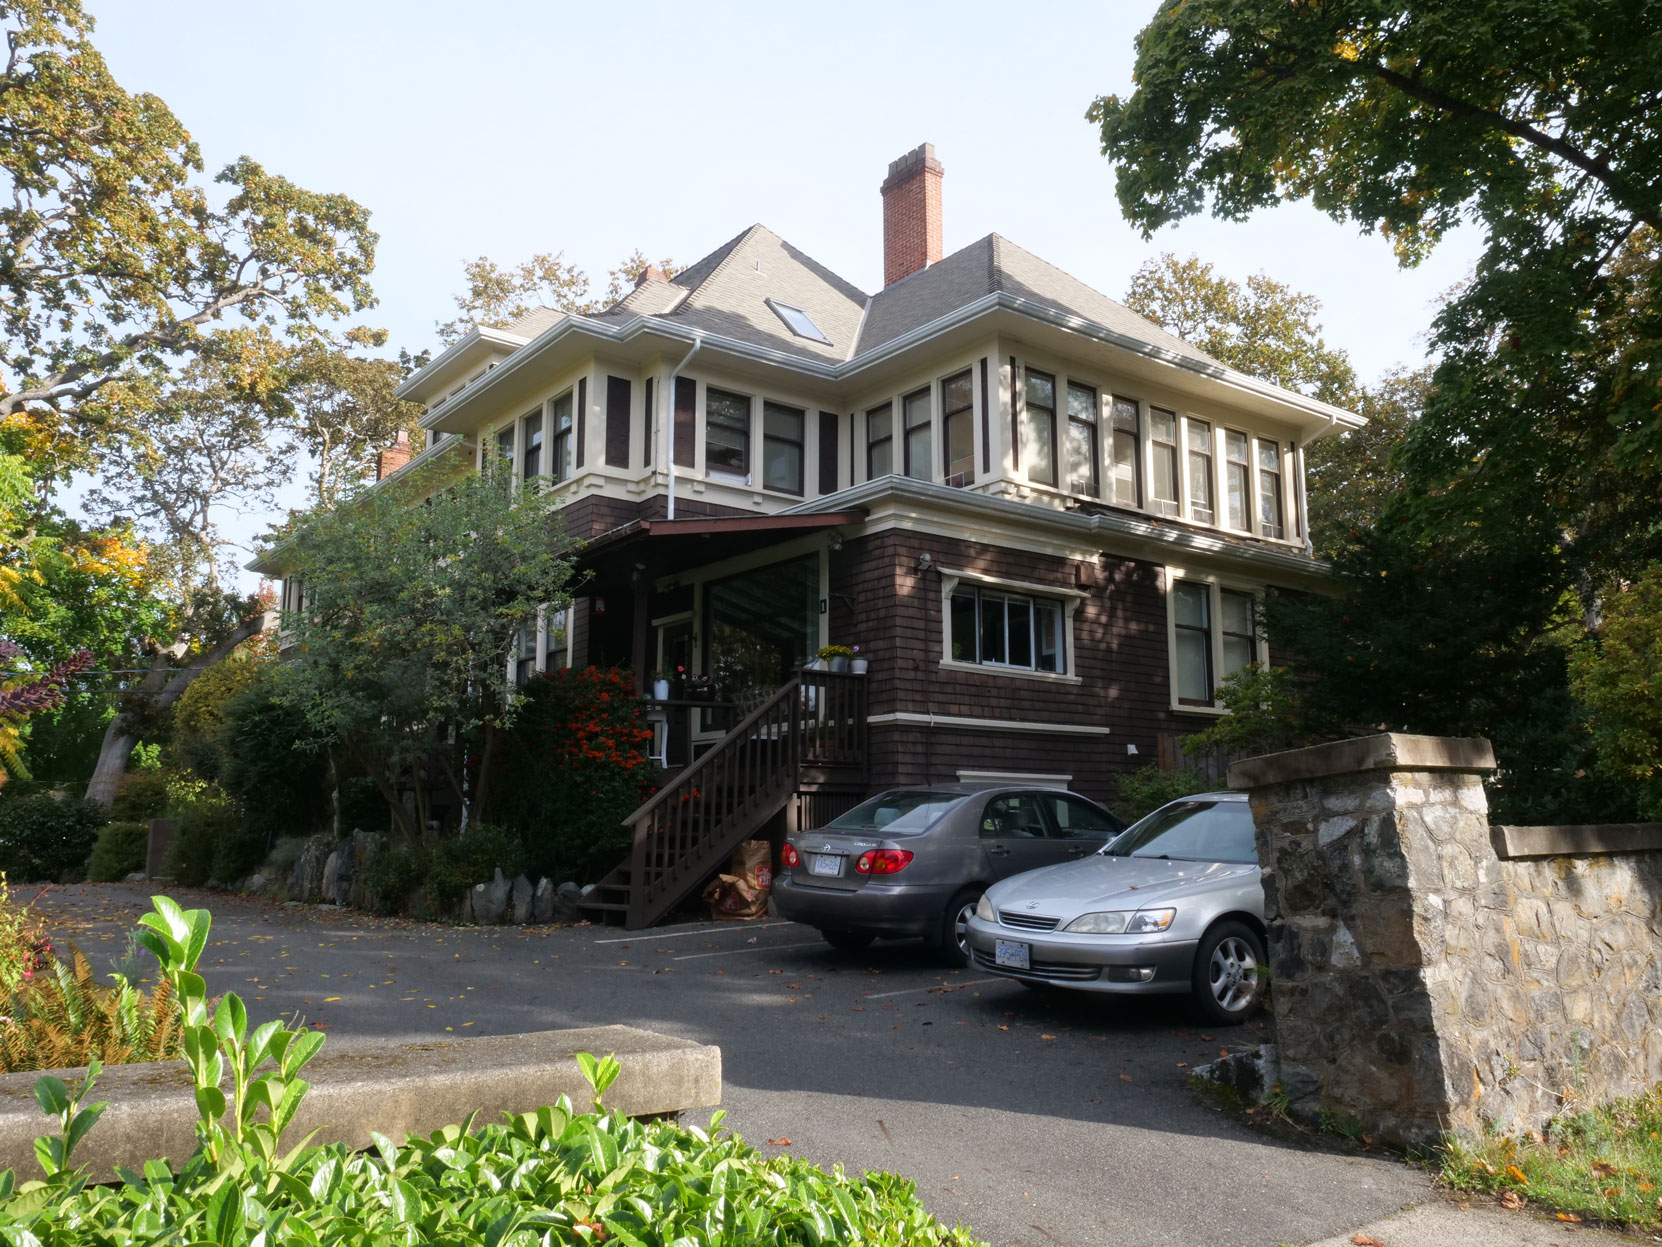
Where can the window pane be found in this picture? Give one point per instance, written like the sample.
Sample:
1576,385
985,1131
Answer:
879,423
1048,618
1269,456
1193,660
964,631
960,448
1082,458
1236,483
1041,447
1125,469
1164,489
533,445
918,442
1019,611
785,422
1236,609
726,432
562,412
1237,653
1081,403
957,393
1041,390
880,458
1162,425
782,465
1269,504
1193,605
993,636
917,408
1125,415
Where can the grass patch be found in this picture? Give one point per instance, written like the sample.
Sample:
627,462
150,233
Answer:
1604,1164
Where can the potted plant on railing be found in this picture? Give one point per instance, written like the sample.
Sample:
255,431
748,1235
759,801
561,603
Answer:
857,664
836,657
699,687
660,686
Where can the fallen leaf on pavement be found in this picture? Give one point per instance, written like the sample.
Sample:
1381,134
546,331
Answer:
1568,1216
779,1142
1047,1036
1126,1078
1512,1200
1362,1240
1182,1065
329,999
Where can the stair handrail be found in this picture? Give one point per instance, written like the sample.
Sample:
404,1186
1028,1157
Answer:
689,773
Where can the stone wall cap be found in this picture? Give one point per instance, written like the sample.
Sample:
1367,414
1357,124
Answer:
1576,840
1388,751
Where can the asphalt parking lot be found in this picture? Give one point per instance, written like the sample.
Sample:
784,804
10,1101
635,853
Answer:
1034,1120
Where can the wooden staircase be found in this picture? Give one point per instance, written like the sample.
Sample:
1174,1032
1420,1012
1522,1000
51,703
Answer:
803,750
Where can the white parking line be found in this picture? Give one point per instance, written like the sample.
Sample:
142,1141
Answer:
761,948
680,935
944,987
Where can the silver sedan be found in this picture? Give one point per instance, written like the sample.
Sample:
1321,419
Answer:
1175,904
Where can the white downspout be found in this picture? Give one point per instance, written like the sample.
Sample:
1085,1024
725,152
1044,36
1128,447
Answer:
669,418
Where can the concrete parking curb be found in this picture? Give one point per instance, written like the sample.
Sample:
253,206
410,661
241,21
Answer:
394,1087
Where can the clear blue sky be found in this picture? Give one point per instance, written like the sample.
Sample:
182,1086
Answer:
503,129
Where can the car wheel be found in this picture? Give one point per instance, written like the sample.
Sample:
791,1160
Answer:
954,935
847,941
1228,983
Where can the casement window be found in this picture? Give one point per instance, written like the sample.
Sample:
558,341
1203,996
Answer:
1237,480
559,420
726,432
782,447
1040,408
1126,472
916,411
880,441
531,457
1214,634
1197,435
1162,436
958,428
1270,510
1082,440
996,629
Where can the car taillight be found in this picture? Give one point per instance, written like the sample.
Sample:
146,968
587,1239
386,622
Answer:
789,856
883,861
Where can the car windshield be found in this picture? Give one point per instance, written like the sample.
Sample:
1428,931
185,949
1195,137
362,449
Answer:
903,813
1193,831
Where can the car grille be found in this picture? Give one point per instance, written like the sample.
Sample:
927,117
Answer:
1072,971
1027,922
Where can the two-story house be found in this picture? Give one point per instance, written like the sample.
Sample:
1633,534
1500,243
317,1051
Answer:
1043,520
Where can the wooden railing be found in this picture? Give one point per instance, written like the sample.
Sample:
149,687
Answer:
817,721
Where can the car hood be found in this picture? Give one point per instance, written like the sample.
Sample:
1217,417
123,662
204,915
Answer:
1101,882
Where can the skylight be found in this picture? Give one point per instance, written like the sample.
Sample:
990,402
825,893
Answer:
798,322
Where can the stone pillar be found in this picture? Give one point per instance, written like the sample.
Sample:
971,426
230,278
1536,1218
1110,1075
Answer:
1375,854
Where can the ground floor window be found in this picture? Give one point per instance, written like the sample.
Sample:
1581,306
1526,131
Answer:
997,629
1214,633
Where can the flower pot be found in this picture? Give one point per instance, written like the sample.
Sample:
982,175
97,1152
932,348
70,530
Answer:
859,666
660,690
814,664
839,664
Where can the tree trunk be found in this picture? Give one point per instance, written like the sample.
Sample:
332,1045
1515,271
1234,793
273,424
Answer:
121,735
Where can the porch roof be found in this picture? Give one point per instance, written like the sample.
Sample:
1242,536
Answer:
655,548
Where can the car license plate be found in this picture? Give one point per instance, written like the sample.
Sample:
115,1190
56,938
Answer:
1009,953
825,864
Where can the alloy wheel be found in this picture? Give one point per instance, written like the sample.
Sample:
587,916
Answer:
1233,974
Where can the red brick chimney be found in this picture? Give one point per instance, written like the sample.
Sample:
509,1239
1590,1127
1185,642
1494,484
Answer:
393,457
912,214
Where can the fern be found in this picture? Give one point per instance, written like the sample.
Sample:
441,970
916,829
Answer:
63,1017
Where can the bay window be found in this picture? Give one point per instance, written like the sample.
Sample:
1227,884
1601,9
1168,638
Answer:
726,432
917,413
531,459
1082,440
958,428
880,441
782,447
559,419
1040,407
1270,522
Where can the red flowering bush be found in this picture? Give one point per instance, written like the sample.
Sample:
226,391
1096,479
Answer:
574,765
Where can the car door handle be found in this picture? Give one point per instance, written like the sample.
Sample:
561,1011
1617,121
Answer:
997,850
1077,850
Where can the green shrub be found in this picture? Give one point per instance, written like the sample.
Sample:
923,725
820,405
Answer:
43,838
550,1176
574,765
395,872
459,862
265,764
1148,788
142,795
119,850
212,842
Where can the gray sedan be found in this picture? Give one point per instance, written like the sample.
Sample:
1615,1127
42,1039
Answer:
1176,904
916,860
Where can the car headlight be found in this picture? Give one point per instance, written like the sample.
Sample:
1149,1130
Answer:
1119,922
984,909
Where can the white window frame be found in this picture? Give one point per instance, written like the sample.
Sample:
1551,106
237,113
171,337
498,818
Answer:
1068,598
1216,585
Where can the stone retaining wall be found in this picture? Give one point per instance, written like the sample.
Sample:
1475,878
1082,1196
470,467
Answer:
1422,981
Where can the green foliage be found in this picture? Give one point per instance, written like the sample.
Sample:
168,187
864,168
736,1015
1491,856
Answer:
459,862
1146,789
213,842
1617,675
395,872
407,606
45,838
269,766
1601,1163
1352,477
119,851
1267,713
143,795
574,766
61,1018
498,296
